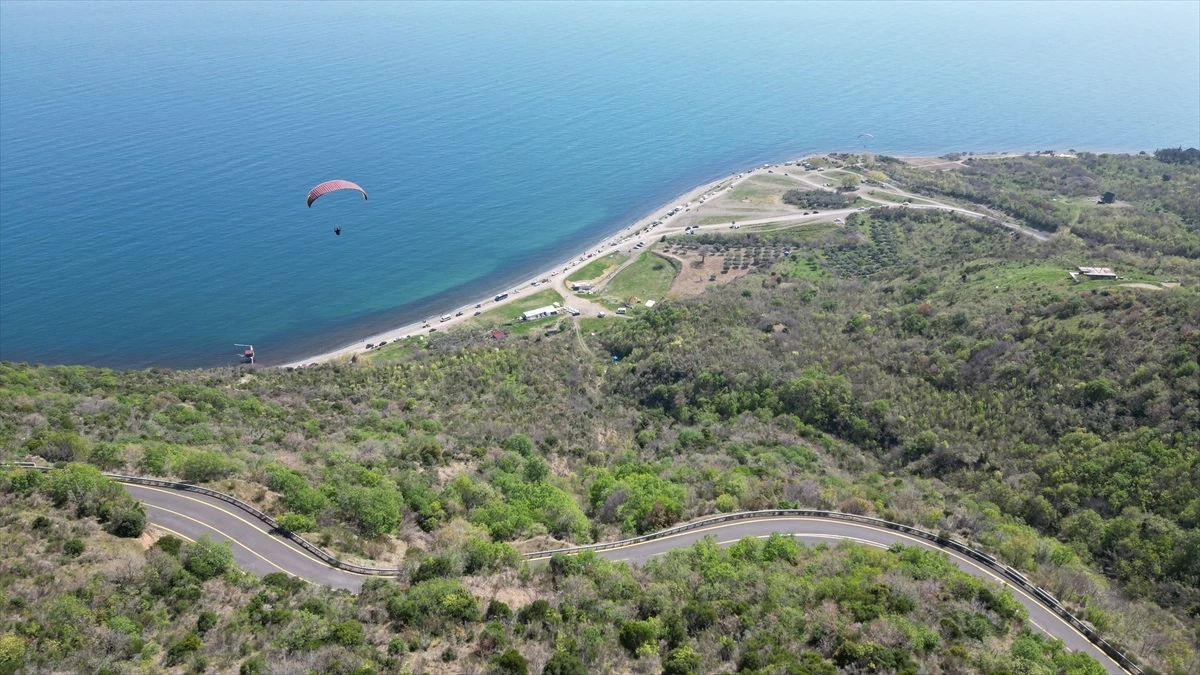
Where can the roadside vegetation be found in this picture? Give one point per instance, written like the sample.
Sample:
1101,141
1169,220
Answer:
915,365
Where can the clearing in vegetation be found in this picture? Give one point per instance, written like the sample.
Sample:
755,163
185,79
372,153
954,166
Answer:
647,278
598,267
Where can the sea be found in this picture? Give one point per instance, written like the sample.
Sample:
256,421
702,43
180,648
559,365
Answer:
155,157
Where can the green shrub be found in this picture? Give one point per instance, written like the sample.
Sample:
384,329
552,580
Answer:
564,663
298,522
510,662
206,558
205,621
74,547
180,649
348,633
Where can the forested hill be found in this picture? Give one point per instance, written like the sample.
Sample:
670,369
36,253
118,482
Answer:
913,364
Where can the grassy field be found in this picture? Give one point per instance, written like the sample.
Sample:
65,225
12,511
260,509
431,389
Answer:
1043,277
761,190
513,310
717,220
523,327
587,326
801,267
646,279
598,267
397,350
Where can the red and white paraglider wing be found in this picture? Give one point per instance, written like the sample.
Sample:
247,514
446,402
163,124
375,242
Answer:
332,186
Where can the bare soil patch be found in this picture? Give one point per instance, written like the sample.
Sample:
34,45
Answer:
696,275
504,587
720,265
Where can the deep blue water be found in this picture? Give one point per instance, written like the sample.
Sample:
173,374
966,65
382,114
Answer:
154,158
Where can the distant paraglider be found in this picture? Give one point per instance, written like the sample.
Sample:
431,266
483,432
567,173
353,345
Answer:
332,186
867,135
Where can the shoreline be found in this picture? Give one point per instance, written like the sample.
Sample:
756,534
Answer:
612,240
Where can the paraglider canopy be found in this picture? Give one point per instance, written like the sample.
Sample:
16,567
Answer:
867,135
332,186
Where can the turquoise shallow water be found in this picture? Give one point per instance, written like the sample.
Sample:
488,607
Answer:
154,158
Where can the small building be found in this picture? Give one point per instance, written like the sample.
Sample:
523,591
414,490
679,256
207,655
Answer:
540,312
1098,272
499,335
650,303
581,286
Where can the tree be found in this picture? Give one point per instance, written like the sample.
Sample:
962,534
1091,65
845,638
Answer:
107,456
77,484
203,466
682,661
564,663
848,182
206,558
536,469
348,633
634,634
12,653
876,176
518,443
127,520
377,510
58,446
511,662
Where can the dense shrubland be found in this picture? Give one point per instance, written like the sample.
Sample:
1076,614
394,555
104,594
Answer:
1160,212
78,602
914,365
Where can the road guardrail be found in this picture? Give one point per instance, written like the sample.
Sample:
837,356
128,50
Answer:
1007,572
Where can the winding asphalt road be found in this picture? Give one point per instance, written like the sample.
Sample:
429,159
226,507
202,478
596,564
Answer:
189,515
